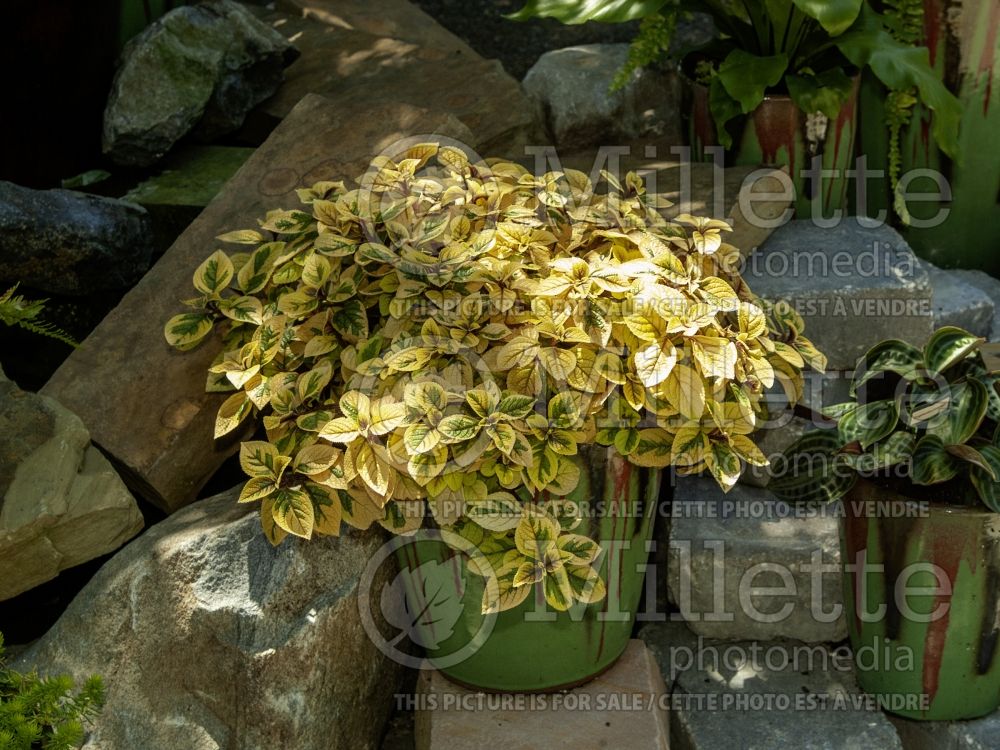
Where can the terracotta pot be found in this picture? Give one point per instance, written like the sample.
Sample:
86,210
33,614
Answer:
779,134
929,654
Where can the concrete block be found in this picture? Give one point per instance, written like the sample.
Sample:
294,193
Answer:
763,695
746,566
959,303
853,285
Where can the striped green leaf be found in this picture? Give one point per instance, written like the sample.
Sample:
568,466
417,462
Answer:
891,355
932,464
869,423
946,346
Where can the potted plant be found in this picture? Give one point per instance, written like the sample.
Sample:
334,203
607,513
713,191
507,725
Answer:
786,73
916,458
519,355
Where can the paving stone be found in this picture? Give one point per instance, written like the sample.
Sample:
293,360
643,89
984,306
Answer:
391,62
745,565
853,285
763,695
61,503
619,709
154,418
208,637
572,88
977,734
991,286
959,303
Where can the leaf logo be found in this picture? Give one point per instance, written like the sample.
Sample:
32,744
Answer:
431,606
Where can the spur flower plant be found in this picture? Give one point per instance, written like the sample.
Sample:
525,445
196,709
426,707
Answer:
449,334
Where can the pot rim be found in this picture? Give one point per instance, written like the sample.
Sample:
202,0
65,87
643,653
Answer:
933,508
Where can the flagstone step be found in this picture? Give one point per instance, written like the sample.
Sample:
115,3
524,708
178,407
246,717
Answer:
392,51
143,402
747,566
760,695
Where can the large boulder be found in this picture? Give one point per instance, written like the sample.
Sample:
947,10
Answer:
572,87
61,503
64,242
200,67
209,638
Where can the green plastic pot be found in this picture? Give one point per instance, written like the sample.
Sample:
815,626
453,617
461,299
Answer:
775,135
533,648
919,665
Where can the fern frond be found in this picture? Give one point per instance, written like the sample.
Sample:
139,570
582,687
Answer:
16,310
652,43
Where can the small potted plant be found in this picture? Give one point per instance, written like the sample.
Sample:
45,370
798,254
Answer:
780,82
916,458
517,354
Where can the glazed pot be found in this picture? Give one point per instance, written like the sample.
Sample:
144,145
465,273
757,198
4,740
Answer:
960,228
532,648
779,134
924,627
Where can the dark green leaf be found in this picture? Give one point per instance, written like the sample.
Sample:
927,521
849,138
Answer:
836,16
824,93
900,67
746,77
891,355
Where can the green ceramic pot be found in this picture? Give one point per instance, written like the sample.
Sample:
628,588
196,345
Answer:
964,47
931,653
533,648
779,134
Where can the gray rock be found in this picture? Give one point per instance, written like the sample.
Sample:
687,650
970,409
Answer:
210,638
985,283
61,503
745,565
959,303
572,88
200,67
64,242
763,695
853,285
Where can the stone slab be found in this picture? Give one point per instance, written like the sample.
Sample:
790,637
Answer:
763,695
626,710
853,285
746,566
959,303
344,52
143,402
991,286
